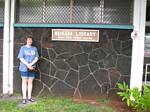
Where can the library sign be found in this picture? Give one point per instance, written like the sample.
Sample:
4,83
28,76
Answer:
75,35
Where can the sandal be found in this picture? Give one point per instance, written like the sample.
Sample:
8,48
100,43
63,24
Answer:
31,100
24,101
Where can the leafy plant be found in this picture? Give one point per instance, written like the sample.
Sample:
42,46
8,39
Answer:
138,100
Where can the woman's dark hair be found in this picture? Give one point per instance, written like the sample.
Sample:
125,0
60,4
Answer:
28,36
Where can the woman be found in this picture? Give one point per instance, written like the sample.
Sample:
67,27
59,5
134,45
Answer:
28,56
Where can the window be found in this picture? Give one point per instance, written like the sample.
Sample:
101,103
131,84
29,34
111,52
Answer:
148,11
75,11
1,11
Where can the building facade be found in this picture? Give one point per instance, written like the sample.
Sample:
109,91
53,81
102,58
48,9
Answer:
74,68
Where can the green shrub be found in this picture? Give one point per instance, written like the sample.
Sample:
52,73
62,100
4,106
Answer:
138,100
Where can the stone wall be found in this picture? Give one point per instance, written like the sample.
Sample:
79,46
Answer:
1,59
77,69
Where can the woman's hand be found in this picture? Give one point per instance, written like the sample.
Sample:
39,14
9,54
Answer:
30,67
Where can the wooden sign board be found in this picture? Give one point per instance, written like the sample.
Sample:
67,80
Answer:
75,35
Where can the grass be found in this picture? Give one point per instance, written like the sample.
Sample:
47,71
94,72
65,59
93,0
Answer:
104,100
52,104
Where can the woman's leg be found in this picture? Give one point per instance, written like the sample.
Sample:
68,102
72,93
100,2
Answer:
30,86
24,87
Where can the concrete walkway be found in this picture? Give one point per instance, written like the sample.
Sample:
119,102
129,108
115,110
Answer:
16,98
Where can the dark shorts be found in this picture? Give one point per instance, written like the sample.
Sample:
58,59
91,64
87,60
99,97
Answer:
27,74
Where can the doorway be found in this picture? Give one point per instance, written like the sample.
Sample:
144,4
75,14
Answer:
146,72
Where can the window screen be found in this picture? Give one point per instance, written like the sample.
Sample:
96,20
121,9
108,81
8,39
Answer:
87,11
117,11
75,11
57,11
1,11
29,11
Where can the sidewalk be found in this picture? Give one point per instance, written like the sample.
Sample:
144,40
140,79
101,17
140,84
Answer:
15,98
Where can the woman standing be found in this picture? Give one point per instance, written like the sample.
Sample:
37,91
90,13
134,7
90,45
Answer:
28,56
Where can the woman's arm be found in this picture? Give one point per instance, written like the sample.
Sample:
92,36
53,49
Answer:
26,63
34,61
